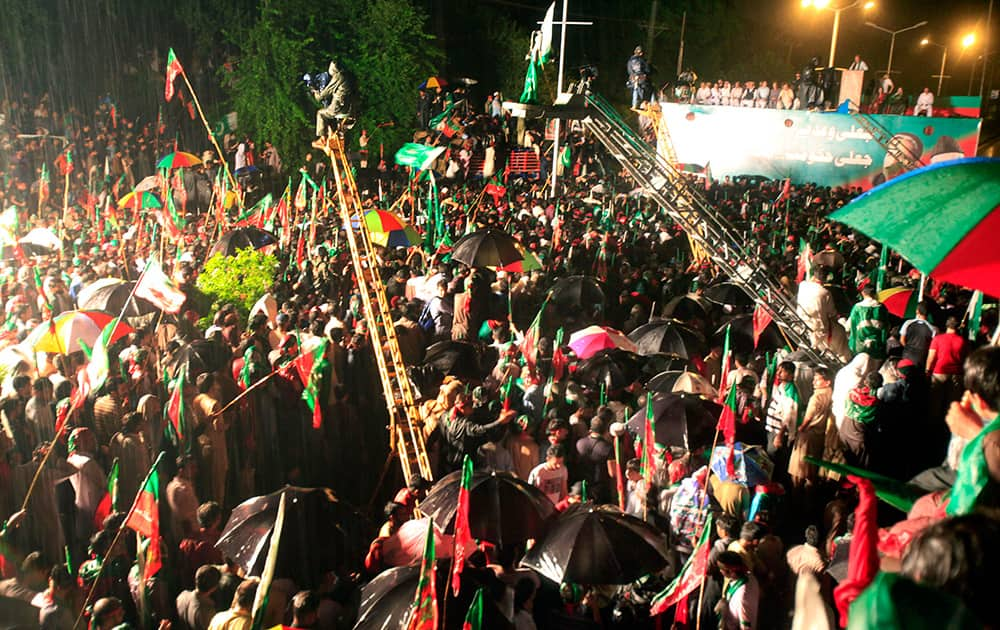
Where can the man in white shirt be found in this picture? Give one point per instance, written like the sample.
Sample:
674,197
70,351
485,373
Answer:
859,64
550,476
737,609
925,104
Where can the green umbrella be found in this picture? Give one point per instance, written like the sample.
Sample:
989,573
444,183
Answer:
943,218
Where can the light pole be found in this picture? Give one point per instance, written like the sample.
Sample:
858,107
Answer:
819,5
892,38
967,41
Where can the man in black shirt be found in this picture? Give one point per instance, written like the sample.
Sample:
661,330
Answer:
595,459
916,335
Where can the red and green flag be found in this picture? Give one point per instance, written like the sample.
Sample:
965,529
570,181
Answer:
690,576
804,266
109,503
529,344
65,162
144,519
463,536
761,320
175,407
99,366
424,613
727,426
474,616
649,442
173,70
309,366
726,360
43,184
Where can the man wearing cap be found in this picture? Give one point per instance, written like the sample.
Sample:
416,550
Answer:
638,76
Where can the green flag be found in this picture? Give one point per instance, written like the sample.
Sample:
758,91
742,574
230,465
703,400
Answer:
975,314
973,473
417,156
474,617
530,93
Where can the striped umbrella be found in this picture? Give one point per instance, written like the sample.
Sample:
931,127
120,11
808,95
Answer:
65,334
140,199
943,218
900,301
388,230
592,339
178,159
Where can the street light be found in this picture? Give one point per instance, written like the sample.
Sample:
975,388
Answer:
825,4
967,41
892,40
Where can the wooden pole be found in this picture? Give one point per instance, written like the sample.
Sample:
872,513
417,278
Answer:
118,534
211,137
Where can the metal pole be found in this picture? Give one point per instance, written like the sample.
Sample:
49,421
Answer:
680,50
944,59
892,46
833,38
651,32
986,56
559,89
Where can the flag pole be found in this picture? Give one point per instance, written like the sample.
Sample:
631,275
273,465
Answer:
211,137
114,542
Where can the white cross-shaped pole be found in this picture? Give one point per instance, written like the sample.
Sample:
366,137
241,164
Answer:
559,87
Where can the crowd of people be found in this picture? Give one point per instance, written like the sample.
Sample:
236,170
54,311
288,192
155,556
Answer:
911,402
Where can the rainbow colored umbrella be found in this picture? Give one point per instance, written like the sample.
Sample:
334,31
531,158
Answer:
140,199
943,218
592,339
178,159
71,329
900,301
388,230
433,82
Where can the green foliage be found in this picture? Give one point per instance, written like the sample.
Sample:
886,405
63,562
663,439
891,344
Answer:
383,43
241,279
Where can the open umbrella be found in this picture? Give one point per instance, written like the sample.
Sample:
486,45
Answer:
455,358
682,420
178,159
900,301
741,336
943,218
728,294
655,364
388,230
751,465
150,182
829,258
597,544
433,82
694,383
487,248
502,508
685,308
40,242
109,295
197,357
592,339
576,292
320,534
664,381
66,332
387,600
615,369
140,199
529,262
668,336
241,238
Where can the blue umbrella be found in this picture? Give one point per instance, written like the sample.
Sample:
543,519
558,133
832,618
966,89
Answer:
751,464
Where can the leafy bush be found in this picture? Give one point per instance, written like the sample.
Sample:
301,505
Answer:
241,279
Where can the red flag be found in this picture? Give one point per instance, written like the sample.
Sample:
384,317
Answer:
785,191
649,442
863,562
173,69
175,407
463,537
690,577
726,360
761,320
424,614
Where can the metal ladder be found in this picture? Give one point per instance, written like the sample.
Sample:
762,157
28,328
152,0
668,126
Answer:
406,437
701,222
884,138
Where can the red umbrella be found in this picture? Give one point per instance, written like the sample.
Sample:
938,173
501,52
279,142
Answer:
592,339
899,301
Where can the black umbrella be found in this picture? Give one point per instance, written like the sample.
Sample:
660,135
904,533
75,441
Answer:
487,248
829,258
575,293
241,238
685,308
199,356
664,381
654,364
668,336
387,600
683,420
741,336
109,295
320,534
502,508
615,369
456,358
728,294
597,544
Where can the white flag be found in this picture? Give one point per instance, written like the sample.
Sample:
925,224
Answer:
158,289
545,44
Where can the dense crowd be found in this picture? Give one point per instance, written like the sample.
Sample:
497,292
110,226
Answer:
914,391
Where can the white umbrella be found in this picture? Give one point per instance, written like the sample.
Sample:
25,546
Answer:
40,241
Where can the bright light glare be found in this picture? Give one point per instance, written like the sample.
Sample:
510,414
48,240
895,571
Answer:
806,3
924,41
869,5
968,40
820,4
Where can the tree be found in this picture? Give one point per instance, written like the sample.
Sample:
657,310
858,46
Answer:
241,279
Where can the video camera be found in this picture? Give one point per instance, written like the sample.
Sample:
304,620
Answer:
316,81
